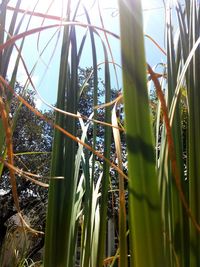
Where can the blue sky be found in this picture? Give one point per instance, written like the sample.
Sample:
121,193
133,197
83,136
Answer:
46,78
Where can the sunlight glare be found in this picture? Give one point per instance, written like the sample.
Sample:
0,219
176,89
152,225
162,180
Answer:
148,4
58,7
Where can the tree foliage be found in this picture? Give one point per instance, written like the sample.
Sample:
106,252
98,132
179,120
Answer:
32,144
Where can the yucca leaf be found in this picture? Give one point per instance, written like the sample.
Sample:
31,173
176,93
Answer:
194,130
61,193
146,237
175,206
106,168
122,203
89,233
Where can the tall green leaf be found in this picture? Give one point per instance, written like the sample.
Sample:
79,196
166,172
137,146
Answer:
59,230
146,237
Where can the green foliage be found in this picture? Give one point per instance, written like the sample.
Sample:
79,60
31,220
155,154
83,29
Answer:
145,226
86,188
32,140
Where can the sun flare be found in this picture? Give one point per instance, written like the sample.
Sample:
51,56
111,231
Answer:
58,7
